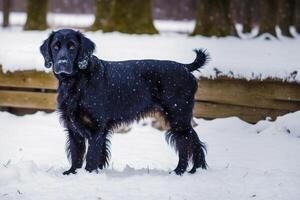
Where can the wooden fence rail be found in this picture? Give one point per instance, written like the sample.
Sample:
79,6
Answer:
221,97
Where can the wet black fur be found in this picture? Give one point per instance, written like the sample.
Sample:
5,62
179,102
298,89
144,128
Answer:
94,100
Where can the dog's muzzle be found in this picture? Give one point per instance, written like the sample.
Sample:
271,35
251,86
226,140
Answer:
63,66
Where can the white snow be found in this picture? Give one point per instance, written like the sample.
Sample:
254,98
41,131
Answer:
240,58
250,59
54,19
245,162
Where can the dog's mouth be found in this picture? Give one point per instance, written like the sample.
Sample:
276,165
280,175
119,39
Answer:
62,72
63,66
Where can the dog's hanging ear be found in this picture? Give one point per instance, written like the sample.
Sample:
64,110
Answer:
86,50
46,51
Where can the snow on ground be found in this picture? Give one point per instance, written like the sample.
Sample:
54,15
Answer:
251,59
240,58
245,162
53,19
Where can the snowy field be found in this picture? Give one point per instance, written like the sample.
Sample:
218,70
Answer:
240,58
245,162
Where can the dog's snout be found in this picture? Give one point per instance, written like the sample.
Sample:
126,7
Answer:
63,65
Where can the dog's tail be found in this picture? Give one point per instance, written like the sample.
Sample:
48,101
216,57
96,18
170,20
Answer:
202,57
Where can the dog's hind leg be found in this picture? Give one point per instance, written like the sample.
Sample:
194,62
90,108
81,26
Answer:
98,151
75,148
199,149
182,136
189,147
177,139
105,153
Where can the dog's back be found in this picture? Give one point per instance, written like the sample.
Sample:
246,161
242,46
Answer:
138,86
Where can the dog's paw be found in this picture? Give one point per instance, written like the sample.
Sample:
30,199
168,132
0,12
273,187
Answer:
177,172
70,171
193,170
91,169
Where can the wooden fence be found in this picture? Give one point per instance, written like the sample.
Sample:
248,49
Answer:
221,97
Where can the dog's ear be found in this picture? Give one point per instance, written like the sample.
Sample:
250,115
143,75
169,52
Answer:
46,51
86,50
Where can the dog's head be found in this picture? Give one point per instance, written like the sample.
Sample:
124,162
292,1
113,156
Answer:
67,51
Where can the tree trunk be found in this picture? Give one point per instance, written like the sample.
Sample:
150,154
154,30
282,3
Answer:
6,6
103,8
285,16
247,10
134,16
214,18
204,20
267,22
297,16
36,15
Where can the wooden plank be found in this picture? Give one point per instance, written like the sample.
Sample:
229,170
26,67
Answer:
36,100
249,114
221,97
28,79
39,100
274,95
264,89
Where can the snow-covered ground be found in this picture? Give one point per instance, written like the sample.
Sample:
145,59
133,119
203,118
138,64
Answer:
241,58
245,162
251,59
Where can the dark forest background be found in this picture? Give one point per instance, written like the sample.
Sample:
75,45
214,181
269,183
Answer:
213,17
163,9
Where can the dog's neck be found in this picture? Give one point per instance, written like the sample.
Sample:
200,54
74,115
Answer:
79,74
77,83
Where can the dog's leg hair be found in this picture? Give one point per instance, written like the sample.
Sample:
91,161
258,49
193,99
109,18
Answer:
105,152
181,143
189,147
199,150
75,149
98,151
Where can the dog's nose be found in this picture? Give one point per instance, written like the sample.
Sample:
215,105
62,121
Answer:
62,61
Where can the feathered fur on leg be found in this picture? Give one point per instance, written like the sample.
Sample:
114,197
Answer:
75,148
98,152
189,147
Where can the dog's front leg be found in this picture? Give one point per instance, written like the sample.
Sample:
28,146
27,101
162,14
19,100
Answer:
75,149
98,151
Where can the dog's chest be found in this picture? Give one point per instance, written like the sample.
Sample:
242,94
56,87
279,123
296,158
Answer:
68,99
77,101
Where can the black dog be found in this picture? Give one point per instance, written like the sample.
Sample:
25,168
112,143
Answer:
94,96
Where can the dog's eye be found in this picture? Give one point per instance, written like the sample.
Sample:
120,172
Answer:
71,46
57,46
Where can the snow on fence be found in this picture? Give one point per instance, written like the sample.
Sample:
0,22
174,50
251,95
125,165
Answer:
250,100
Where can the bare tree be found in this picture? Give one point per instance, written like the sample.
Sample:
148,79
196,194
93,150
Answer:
103,8
214,18
297,15
247,9
134,16
285,16
36,15
6,8
204,21
268,17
